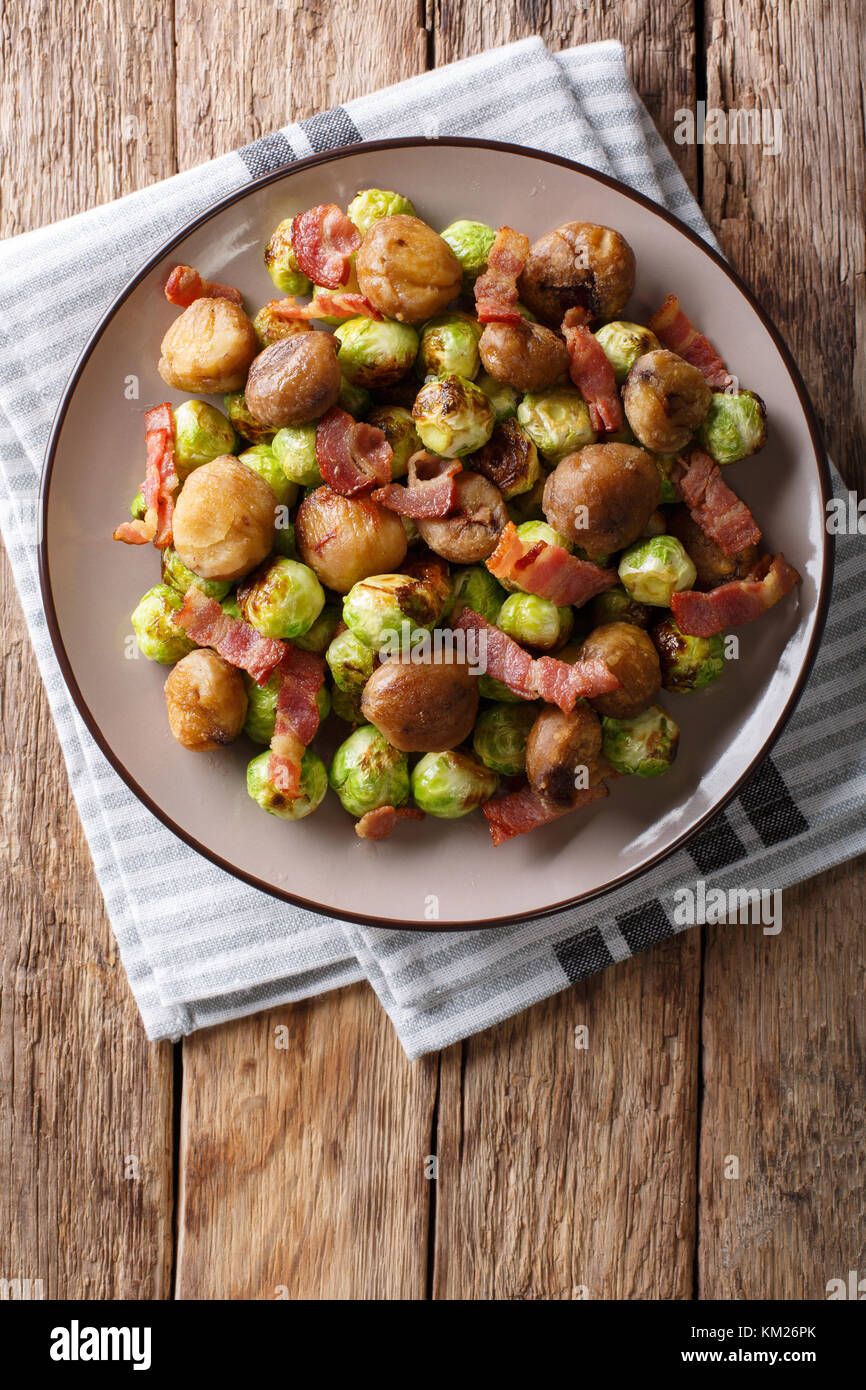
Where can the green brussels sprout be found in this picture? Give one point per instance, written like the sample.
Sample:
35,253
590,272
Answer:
295,449
557,421
474,587
346,706
377,608
201,433
137,508
262,707
651,570
664,463
244,421
492,689
687,663
451,784
262,460
350,661
367,772
643,746
319,636
314,785
501,731
452,416
623,343
616,606
334,320
375,352
449,344
502,397
284,541
175,573
372,204
354,399
528,506
282,263
231,608
535,621
158,639
471,243
282,598
398,427
734,427
531,532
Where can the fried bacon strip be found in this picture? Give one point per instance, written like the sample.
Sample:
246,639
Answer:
378,824
342,304
676,332
205,623
352,456
541,678
547,570
714,506
516,813
324,241
159,486
301,675
432,491
496,290
731,605
185,285
592,373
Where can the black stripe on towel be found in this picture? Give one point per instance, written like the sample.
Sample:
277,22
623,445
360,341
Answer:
331,130
770,806
267,154
583,954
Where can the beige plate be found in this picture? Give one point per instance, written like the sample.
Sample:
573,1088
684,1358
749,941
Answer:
91,584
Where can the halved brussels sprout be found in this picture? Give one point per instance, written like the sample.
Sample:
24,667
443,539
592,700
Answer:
244,421
501,731
374,352
262,707
390,606
616,606
623,343
651,570
471,243
295,449
355,399
735,426
535,621
474,587
451,784
350,661
643,746
664,463
372,204
557,421
449,344
502,397
398,427
262,460
282,598
367,772
320,634
314,785
688,663
452,416
158,639
282,263
201,433
175,573
137,507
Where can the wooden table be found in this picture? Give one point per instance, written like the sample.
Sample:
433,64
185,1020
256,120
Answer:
225,1167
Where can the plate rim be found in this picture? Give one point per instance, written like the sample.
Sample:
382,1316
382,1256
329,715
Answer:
285,171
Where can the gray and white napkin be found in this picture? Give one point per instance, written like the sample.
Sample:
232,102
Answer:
801,813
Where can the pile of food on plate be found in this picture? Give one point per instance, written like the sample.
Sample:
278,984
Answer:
453,499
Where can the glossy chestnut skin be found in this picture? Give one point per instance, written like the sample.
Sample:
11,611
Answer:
619,487
665,400
406,270
224,519
344,539
558,747
580,264
206,701
526,355
422,707
714,567
208,348
630,653
470,533
293,381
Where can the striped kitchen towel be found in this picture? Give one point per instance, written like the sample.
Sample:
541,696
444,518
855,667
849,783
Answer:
192,965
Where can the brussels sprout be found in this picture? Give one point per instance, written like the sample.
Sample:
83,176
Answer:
244,421
201,433
509,460
623,343
501,731
531,532
664,463
651,570
158,639
372,204
314,785
262,460
735,426
528,506
375,352
262,707
449,344
492,689
230,607
346,706
284,542
502,397
282,263
354,399
319,636
644,746
471,243
367,772
295,449
451,784
350,661
616,606
399,429
452,416
175,573
334,320
137,508
688,663
377,608
557,421
535,621
474,587
282,598
271,325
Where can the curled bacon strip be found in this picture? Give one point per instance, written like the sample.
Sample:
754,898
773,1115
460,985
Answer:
676,332
297,718
542,678
731,605
352,456
378,824
185,285
592,373
205,623
547,570
432,491
518,812
160,483
496,290
324,241
714,506
342,304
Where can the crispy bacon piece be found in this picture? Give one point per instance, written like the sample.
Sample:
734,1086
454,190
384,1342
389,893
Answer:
205,623
542,678
592,373
185,285
160,483
731,605
301,675
496,290
352,456
547,570
432,491
378,824
675,331
324,241
336,305
518,812
714,506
